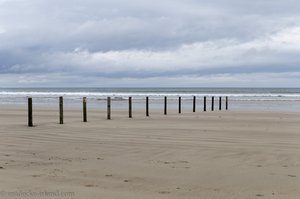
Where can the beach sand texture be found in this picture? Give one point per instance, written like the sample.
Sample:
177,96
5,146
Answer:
213,155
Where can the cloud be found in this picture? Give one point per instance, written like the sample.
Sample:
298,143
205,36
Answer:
145,40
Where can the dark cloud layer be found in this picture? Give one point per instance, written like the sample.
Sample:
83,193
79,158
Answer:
188,43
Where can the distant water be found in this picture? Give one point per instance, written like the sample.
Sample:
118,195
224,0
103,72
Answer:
268,99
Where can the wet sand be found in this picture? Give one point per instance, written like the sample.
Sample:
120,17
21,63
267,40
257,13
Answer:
212,155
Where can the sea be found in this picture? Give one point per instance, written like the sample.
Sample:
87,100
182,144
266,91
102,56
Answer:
239,99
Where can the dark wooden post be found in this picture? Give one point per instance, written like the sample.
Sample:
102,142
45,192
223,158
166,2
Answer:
61,110
130,107
165,109
220,103
30,123
84,109
194,104
212,103
226,102
204,104
108,108
179,105
147,106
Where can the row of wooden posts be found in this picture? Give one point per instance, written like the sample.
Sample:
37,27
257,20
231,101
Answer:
61,107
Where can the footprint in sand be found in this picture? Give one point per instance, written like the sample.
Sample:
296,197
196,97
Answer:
35,176
90,185
259,195
164,192
183,161
177,162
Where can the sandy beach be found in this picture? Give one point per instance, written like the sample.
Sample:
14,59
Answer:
212,155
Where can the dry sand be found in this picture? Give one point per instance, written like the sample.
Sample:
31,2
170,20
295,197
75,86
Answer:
213,155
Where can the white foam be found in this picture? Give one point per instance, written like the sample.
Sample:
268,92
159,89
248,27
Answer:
154,95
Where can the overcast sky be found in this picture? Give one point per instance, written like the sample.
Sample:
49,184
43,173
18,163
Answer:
150,43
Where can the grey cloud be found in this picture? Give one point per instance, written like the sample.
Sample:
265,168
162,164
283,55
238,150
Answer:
147,39
118,25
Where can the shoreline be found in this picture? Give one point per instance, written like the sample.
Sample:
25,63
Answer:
187,105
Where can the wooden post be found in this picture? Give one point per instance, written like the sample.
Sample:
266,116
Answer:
226,102
30,123
179,105
165,109
212,103
108,108
130,107
220,103
147,106
204,104
84,109
61,110
194,104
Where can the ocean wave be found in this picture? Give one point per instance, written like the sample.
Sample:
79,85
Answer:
42,96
